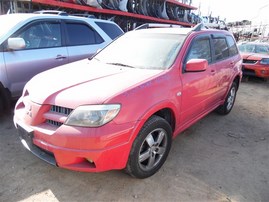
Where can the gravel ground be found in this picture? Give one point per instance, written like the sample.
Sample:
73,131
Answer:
220,158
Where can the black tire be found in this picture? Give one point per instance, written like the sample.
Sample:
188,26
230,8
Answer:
2,107
4,101
229,101
150,148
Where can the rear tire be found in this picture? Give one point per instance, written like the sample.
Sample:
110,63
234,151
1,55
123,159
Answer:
150,148
229,101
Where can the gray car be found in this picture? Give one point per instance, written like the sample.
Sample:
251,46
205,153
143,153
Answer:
32,43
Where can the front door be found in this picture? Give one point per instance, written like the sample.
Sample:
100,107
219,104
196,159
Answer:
43,51
199,88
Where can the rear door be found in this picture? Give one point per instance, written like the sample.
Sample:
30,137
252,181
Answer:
82,40
224,50
44,50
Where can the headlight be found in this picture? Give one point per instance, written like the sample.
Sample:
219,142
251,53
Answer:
93,115
265,61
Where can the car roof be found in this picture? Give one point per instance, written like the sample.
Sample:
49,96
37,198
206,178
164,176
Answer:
24,16
166,30
182,30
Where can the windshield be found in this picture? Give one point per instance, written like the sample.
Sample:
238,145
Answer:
254,48
143,50
6,23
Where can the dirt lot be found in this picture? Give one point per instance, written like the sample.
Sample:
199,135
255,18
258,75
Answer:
217,159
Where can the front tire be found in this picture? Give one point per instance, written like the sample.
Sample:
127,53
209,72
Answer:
1,106
150,148
229,101
4,101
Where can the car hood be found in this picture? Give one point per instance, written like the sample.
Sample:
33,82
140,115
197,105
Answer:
254,56
84,82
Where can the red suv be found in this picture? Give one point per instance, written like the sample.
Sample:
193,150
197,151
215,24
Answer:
121,109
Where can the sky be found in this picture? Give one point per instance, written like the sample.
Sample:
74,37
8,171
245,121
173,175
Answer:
235,10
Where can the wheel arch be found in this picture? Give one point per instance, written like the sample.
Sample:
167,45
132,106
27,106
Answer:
167,114
237,81
166,110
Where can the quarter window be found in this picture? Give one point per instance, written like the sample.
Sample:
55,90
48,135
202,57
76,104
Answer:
81,34
200,49
232,46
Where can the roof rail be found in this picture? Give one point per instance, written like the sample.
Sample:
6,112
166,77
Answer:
83,15
199,27
156,25
54,12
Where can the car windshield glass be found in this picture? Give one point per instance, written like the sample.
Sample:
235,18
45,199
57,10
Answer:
254,48
6,23
143,50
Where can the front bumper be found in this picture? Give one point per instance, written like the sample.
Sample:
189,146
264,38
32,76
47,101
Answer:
76,148
255,70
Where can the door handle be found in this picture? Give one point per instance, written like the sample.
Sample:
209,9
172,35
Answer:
213,71
60,57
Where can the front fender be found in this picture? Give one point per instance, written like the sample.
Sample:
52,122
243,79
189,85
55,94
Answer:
165,104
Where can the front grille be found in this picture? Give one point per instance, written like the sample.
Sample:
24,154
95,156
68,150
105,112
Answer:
55,115
61,110
249,61
54,123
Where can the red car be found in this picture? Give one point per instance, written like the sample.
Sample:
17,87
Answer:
255,59
121,109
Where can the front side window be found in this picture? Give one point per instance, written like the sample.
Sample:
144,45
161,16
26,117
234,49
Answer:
200,49
81,34
41,35
221,48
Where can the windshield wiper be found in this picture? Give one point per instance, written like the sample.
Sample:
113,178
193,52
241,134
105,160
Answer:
120,64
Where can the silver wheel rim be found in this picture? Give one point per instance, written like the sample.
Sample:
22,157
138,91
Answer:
231,98
152,149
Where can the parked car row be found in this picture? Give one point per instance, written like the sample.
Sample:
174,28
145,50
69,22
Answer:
255,59
32,43
122,108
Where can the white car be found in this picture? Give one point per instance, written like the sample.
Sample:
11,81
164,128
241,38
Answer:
32,43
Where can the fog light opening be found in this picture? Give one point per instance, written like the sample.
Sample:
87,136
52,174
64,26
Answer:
91,162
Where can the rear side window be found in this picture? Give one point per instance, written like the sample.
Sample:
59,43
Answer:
110,29
81,34
232,46
200,49
221,48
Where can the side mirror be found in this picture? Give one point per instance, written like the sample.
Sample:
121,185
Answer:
16,43
196,65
